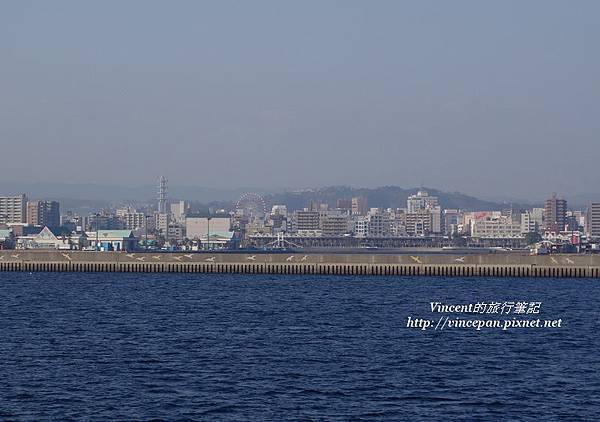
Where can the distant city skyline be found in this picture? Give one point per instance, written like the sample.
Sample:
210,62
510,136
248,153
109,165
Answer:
494,99
148,191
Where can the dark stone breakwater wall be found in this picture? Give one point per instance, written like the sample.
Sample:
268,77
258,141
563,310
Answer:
488,265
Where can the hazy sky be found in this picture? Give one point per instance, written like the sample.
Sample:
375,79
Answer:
485,97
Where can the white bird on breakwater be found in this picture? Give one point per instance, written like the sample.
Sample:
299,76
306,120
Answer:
66,255
304,258
190,256
416,259
569,261
462,259
16,256
130,255
211,259
178,258
142,258
156,257
290,258
251,258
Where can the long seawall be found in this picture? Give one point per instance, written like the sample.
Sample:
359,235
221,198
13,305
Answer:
484,265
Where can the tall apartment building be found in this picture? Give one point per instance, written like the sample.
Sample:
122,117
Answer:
419,223
134,220
421,201
528,224
162,222
593,220
334,225
43,213
555,214
13,209
307,220
418,206
379,224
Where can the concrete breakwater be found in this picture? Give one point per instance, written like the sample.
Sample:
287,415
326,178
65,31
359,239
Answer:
489,265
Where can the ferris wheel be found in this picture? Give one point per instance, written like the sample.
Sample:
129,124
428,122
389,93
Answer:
251,205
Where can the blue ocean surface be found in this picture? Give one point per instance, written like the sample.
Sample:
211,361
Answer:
79,346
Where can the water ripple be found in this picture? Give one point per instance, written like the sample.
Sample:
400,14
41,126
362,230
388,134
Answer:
188,347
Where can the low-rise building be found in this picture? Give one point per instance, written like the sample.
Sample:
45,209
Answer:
6,239
47,239
495,228
113,240
198,227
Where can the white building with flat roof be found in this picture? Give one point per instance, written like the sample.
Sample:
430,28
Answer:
495,228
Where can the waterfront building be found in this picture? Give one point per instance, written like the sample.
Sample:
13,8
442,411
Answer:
43,213
419,224
198,227
5,239
424,214
334,224
379,223
502,227
47,239
112,240
452,219
361,226
307,220
13,209
398,223
593,220
555,214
